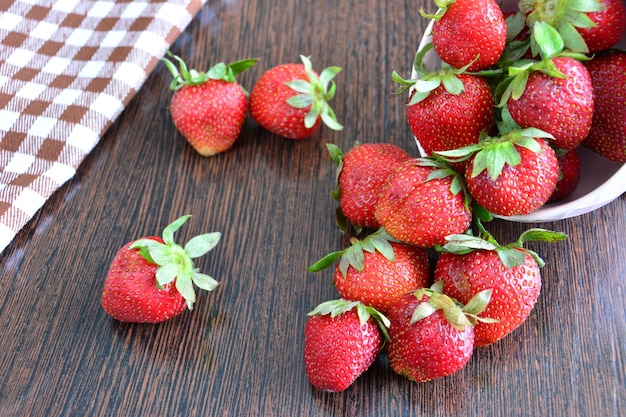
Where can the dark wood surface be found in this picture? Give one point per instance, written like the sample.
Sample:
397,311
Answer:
239,353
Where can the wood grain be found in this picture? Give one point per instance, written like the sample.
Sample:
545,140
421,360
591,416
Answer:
239,353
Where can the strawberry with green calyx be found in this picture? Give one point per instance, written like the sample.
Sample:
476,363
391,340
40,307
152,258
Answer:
468,31
432,335
377,270
471,264
152,279
609,26
361,174
424,201
447,108
554,94
511,174
208,108
342,340
607,136
291,100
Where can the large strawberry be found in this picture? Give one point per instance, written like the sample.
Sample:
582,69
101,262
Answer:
607,136
432,335
423,202
376,270
470,265
208,108
361,174
469,32
511,174
447,108
291,100
152,279
341,341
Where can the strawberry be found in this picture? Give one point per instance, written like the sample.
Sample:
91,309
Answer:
511,174
361,174
468,32
448,108
208,109
422,203
291,100
472,264
609,26
607,136
432,335
569,175
342,339
377,271
151,280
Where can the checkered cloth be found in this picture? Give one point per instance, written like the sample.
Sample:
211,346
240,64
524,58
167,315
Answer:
67,70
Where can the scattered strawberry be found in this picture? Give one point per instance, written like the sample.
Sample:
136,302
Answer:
569,175
291,100
151,279
510,174
342,339
430,334
208,109
361,174
470,265
607,136
469,32
377,271
422,203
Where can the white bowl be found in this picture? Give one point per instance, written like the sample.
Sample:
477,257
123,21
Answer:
601,180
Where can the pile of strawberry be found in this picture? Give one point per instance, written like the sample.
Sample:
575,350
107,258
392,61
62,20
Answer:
499,122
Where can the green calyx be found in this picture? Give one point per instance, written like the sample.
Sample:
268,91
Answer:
443,6
443,169
564,16
353,256
316,92
176,262
337,307
220,71
458,315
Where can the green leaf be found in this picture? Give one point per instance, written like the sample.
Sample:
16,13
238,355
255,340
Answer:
511,257
325,262
240,66
548,40
202,244
328,74
453,84
167,273
572,38
299,86
170,229
421,312
185,288
478,302
204,281
217,72
300,101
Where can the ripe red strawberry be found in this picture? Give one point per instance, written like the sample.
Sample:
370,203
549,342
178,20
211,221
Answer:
431,335
422,203
151,280
208,109
447,109
569,169
610,26
377,271
511,174
469,32
469,265
607,136
361,174
561,105
341,341
291,100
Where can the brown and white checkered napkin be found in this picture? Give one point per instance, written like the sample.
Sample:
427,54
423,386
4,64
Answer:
67,70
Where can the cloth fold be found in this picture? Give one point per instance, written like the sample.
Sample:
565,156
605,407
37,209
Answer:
67,70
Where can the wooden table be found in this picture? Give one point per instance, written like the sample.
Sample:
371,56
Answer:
239,353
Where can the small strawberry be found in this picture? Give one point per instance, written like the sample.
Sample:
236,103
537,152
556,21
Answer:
510,174
431,335
291,100
377,271
151,280
342,340
607,136
447,108
208,109
470,265
469,32
423,202
569,175
554,94
361,174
